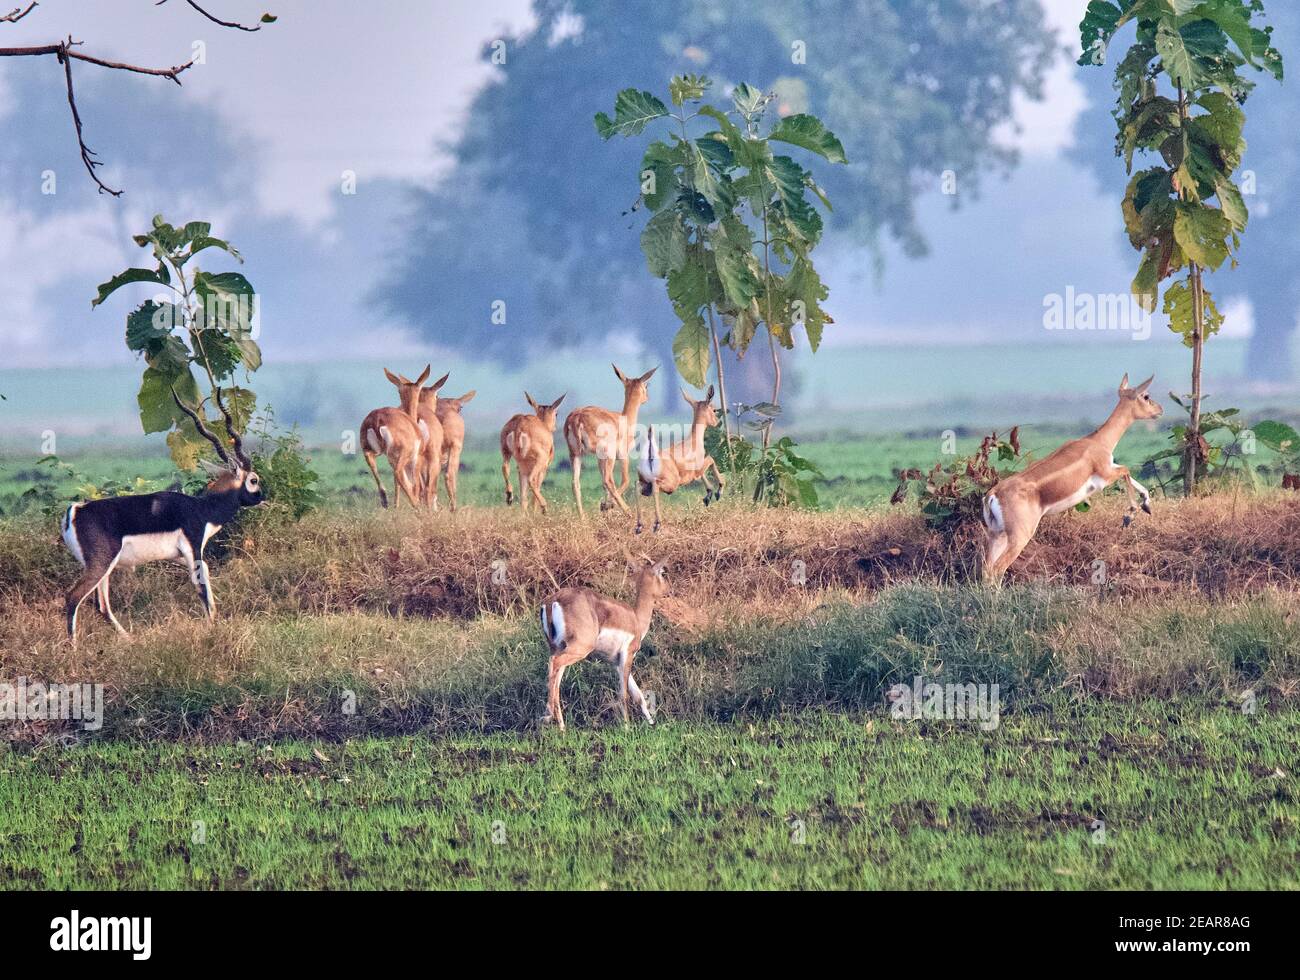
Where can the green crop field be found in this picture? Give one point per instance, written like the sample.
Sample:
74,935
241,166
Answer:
1150,795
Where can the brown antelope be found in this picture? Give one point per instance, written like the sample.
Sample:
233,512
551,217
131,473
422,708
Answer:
126,531
453,438
530,441
1058,482
395,433
580,622
429,461
685,462
609,435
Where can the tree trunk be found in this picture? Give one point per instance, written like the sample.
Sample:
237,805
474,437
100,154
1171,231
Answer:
1192,449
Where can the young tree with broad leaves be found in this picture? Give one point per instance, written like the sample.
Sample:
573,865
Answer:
208,326
1180,97
732,223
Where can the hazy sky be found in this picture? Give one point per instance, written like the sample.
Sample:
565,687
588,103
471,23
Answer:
259,137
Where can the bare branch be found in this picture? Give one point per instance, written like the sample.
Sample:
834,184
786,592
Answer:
64,52
64,47
17,14
216,20
87,154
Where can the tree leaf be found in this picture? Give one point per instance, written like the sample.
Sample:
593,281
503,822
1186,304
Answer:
1179,63
664,243
1201,232
633,111
691,350
158,412
688,88
1277,436
106,289
1100,22
810,133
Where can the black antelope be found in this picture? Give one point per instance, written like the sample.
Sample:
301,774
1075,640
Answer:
608,435
395,433
530,441
1060,481
685,462
126,531
580,622
453,439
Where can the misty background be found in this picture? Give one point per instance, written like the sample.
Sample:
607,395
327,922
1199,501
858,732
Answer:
465,131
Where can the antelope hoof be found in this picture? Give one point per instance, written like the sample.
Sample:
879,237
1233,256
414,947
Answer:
638,528
1128,519
707,497
656,529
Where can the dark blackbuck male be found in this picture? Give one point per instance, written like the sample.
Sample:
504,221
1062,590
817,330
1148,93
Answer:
126,531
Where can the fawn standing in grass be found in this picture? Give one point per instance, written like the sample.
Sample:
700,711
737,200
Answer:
685,462
395,433
1076,471
453,439
530,441
609,435
580,622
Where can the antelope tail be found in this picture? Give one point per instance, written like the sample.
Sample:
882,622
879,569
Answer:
651,464
993,514
553,626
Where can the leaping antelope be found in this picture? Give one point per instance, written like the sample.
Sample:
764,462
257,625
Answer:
453,439
431,435
609,435
395,433
165,526
685,462
579,622
1073,473
530,441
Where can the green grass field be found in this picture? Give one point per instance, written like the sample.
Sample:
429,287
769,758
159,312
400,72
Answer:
1091,795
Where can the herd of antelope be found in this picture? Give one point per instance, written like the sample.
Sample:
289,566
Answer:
422,437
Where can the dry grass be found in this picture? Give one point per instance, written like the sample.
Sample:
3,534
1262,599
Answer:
493,561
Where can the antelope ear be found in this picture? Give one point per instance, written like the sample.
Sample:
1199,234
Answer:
468,396
1123,385
439,383
392,377
556,404
535,406
619,374
1141,389
658,568
424,375
709,396
689,400
214,469
646,377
